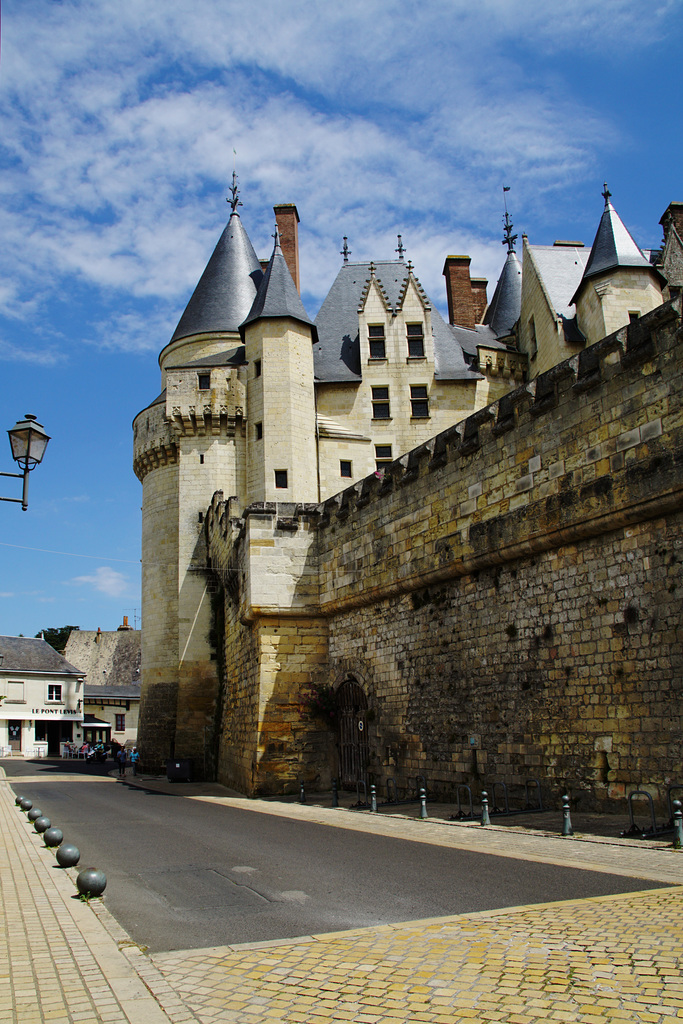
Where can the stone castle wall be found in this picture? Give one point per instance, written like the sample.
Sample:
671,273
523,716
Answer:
509,594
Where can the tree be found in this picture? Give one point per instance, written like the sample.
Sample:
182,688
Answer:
57,636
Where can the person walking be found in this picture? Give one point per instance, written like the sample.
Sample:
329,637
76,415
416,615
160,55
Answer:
134,758
121,758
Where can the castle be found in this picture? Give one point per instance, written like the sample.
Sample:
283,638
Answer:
403,518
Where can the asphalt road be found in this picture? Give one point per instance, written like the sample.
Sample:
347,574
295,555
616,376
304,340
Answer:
184,874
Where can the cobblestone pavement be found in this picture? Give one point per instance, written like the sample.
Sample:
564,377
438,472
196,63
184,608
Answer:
609,958
613,958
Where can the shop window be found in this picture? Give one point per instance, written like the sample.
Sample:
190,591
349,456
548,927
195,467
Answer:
419,401
54,692
383,456
281,479
120,723
380,404
416,341
345,468
376,341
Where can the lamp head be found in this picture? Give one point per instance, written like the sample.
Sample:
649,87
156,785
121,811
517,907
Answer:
28,441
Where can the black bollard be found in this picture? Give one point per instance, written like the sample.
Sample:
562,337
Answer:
567,829
335,794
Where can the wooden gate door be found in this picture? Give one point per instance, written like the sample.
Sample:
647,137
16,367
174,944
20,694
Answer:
353,735
14,733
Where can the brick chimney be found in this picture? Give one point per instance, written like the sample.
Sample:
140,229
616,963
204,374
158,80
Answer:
287,218
464,300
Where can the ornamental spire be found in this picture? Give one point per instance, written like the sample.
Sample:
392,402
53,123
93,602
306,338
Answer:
401,248
345,251
508,238
234,201
607,194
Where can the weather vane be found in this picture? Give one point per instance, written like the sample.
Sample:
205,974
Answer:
401,248
509,239
235,200
345,251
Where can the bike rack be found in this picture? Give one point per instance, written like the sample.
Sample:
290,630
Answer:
527,809
493,803
461,815
364,801
533,782
636,830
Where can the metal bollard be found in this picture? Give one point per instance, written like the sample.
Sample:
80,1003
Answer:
335,794
423,802
678,825
567,829
302,795
485,820
373,799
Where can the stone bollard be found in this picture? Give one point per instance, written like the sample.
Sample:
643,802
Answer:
335,793
302,794
373,799
485,820
678,825
423,802
567,829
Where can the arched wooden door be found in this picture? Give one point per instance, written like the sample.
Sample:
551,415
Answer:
352,707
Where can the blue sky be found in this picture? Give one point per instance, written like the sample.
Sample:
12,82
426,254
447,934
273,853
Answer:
118,120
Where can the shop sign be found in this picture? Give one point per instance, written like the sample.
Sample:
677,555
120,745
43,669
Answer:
56,713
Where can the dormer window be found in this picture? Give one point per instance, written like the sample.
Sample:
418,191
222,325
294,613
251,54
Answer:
376,341
416,341
204,381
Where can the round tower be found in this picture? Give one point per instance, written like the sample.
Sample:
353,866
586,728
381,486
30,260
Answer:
189,443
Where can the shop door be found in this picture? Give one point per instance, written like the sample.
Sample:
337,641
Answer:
353,735
14,733
54,736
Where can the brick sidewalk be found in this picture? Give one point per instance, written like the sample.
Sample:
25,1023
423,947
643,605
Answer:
610,958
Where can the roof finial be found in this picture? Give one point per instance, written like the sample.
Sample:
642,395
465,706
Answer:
345,251
401,248
410,266
607,195
508,238
276,236
234,200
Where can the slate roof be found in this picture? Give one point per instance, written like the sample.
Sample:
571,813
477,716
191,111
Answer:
277,295
337,355
22,654
613,247
226,289
228,357
506,304
129,691
560,268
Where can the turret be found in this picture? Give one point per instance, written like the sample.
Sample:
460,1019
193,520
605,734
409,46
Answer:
278,342
618,284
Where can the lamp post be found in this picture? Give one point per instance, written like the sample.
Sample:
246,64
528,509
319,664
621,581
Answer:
28,442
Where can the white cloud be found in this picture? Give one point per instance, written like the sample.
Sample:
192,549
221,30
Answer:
105,580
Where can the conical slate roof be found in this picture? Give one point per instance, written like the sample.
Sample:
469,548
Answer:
277,295
506,304
226,289
613,247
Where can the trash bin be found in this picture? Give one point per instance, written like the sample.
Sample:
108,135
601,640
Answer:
179,770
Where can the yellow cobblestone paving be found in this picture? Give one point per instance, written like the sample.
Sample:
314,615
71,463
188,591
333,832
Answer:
612,958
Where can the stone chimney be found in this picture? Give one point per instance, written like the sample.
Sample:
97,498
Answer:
287,218
673,215
466,298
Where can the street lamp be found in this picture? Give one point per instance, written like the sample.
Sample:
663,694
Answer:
28,442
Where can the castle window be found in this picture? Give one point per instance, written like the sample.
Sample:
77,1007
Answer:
120,723
54,692
383,455
204,381
281,478
419,401
345,467
201,459
533,346
258,428
376,341
633,315
416,341
257,367
380,404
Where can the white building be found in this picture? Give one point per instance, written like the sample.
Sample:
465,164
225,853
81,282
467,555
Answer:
41,705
